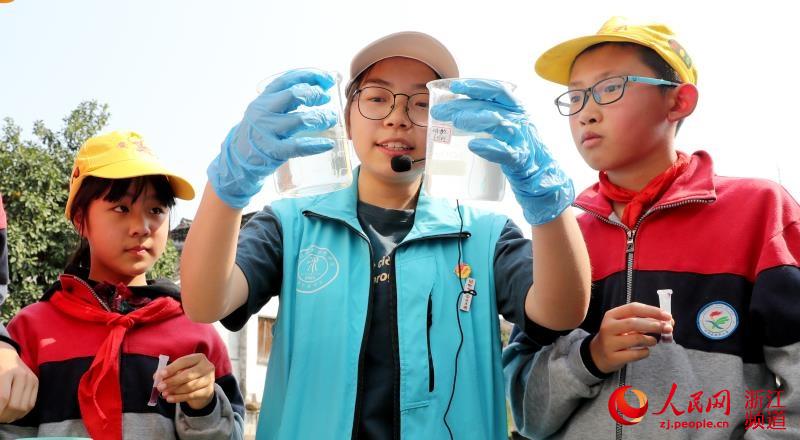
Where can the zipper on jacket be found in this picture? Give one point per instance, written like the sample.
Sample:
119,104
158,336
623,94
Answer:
94,294
361,354
430,355
630,235
393,301
629,248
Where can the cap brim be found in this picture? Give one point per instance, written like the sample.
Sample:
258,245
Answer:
415,45
123,170
555,64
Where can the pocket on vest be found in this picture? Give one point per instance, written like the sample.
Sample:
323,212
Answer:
415,280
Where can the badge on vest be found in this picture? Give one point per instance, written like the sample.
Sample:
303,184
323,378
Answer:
316,268
717,320
462,270
467,294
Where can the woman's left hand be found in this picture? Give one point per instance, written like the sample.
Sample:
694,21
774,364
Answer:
189,379
541,187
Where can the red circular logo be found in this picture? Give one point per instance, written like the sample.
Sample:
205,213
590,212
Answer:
624,413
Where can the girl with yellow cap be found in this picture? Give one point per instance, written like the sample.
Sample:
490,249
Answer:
96,337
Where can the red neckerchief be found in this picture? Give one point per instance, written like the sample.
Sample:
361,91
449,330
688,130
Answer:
636,203
99,394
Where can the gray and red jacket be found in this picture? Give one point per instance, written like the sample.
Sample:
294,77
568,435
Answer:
729,249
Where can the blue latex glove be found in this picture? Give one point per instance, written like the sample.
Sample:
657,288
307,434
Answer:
541,187
267,135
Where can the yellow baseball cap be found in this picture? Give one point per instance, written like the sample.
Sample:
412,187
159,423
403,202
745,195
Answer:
555,64
120,155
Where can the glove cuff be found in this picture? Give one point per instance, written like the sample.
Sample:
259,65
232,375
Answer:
230,176
542,204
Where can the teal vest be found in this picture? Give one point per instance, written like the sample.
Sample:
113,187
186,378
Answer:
313,368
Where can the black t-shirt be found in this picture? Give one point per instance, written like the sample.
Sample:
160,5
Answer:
385,229
260,254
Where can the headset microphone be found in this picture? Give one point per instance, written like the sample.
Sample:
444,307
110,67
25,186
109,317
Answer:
401,164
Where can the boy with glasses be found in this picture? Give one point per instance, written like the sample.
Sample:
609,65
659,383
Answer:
660,220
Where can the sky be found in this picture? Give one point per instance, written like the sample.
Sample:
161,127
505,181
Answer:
181,73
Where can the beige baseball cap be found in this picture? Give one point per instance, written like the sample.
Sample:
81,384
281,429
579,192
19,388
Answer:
415,45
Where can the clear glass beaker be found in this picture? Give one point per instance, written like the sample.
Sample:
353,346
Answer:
451,169
319,173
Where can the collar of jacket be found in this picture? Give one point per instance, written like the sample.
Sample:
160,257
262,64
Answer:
697,182
433,216
78,279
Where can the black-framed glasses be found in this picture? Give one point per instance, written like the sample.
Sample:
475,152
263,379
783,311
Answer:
377,103
603,92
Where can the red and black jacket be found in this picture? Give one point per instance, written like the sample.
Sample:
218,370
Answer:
59,349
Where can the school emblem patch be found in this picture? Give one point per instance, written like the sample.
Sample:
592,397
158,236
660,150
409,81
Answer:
717,320
316,268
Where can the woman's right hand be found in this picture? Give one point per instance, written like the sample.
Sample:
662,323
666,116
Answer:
623,338
265,138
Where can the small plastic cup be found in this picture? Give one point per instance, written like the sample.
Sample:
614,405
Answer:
320,173
451,169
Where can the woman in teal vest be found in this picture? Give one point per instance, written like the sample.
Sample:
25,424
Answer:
373,337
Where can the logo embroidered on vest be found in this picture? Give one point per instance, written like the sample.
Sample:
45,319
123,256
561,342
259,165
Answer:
316,268
717,320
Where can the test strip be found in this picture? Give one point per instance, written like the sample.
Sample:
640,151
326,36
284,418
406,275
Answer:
162,362
665,303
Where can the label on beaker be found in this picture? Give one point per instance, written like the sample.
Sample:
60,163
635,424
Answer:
441,134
